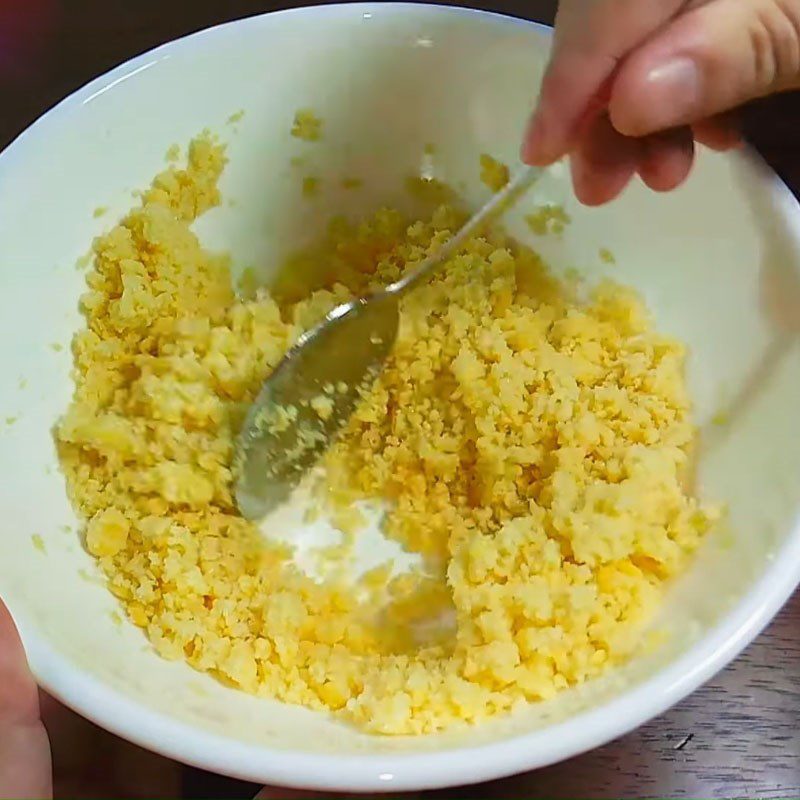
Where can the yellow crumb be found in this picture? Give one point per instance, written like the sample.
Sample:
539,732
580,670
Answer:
173,153
348,519
606,256
530,447
311,186
307,126
494,173
22,384
334,561
83,262
100,211
56,347
311,515
378,577
38,543
107,532
548,219
237,117
322,406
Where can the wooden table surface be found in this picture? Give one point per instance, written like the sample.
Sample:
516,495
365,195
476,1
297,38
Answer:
737,737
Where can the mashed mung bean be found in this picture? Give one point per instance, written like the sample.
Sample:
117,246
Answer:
530,445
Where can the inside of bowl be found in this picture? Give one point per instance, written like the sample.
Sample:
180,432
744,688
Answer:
402,92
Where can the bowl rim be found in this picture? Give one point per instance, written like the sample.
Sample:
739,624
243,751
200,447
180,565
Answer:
112,710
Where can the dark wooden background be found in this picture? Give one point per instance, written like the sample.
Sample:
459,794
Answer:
737,737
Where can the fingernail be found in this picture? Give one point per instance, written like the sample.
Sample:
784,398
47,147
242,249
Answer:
673,90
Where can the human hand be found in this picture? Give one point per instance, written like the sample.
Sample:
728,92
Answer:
25,761
633,84
25,769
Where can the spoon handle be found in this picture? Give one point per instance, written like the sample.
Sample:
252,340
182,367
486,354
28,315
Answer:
493,209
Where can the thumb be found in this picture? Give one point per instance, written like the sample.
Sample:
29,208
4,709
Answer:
708,60
24,749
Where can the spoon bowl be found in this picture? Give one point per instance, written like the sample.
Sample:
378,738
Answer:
309,397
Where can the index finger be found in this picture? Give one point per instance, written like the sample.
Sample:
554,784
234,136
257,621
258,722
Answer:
591,39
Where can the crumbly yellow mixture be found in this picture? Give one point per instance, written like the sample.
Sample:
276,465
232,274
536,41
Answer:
530,446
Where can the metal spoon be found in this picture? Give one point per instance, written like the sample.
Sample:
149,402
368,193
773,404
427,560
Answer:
315,388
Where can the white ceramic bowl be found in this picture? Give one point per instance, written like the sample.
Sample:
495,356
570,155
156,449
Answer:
387,79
